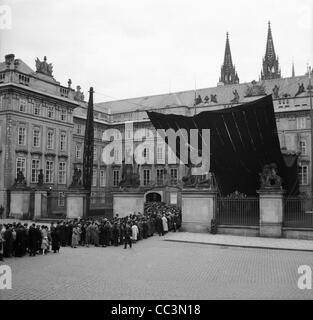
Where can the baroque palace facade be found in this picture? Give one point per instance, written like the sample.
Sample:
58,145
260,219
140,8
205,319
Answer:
42,126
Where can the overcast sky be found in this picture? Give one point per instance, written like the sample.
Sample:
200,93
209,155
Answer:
135,48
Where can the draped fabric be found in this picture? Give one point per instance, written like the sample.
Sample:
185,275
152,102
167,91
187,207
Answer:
243,139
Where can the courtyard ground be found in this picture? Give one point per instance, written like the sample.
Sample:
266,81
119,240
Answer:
157,269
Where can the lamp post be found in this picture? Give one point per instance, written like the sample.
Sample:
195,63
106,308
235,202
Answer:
311,118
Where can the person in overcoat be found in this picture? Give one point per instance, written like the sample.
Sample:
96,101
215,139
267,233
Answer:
55,240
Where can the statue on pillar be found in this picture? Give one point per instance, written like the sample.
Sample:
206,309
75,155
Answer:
76,180
20,179
40,178
130,178
301,89
44,67
269,179
198,181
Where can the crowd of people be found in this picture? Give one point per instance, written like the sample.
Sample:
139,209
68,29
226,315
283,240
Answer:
18,239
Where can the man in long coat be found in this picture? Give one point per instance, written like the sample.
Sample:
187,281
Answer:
159,225
32,240
55,239
95,234
8,244
127,236
88,234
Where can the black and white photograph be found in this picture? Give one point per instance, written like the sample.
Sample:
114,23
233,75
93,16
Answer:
156,153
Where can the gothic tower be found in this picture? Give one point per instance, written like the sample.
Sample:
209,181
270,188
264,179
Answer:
228,71
271,68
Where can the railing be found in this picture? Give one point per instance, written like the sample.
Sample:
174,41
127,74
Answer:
298,212
243,211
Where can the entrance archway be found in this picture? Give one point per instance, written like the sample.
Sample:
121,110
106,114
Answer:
153,197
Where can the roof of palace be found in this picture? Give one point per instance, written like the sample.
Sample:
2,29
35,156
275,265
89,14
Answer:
287,87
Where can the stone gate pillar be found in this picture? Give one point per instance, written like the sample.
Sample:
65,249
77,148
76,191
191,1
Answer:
39,209
271,212
76,203
198,209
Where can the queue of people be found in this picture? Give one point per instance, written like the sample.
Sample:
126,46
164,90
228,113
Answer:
19,239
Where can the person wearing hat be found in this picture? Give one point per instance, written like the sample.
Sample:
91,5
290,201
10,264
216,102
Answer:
102,235
32,240
55,239
88,234
159,225
127,236
8,242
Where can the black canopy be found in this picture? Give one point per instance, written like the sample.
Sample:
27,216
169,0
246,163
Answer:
243,139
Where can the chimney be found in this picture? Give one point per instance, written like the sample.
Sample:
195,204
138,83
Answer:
9,58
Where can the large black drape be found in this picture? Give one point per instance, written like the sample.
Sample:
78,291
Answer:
243,139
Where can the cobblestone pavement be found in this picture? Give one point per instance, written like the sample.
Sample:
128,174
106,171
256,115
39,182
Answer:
157,269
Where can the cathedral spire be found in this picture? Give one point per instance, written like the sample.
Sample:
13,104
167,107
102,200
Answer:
270,61
293,70
228,71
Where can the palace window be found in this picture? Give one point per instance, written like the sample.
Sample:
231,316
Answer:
93,198
61,199
64,92
116,155
49,171
63,115
160,177
23,79
303,175
23,104
78,151
146,154
95,153
35,170
94,178
173,174
62,173
116,178
146,177
102,178
160,154
36,137
51,112
50,139
21,165
172,159
36,109
62,141
303,148
2,77
102,197
301,123
79,129
21,136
